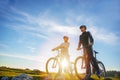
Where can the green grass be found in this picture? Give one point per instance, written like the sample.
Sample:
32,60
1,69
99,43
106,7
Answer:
39,75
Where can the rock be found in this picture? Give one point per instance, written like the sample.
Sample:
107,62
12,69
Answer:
22,77
4,78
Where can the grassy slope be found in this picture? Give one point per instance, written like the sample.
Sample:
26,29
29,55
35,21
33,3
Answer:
37,75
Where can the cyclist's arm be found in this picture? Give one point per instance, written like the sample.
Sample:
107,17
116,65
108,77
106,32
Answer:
79,44
91,38
58,47
61,46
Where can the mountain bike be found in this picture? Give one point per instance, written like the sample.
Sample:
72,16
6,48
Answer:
80,69
53,64
58,64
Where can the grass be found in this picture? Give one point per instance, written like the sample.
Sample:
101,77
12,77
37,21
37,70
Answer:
39,75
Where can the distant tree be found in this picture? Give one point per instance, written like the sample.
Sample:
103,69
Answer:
37,71
113,73
27,69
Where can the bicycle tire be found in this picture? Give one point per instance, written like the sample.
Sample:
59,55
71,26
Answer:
102,69
47,65
76,65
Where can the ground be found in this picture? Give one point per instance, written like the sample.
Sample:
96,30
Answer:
39,75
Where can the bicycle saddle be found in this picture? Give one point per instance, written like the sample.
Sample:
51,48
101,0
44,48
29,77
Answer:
95,52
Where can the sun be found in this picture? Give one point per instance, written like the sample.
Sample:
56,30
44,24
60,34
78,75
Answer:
64,63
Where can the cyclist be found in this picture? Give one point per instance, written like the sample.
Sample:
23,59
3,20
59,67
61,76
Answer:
86,41
64,49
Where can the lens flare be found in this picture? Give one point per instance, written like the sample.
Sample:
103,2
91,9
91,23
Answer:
64,63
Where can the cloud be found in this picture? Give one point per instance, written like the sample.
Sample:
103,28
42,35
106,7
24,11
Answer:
42,26
32,49
39,26
3,45
104,35
33,58
32,62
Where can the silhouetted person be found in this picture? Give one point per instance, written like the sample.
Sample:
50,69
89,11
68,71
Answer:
86,41
64,51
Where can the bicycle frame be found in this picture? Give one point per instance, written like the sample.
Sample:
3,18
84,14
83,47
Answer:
55,62
61,61
57,58
94,55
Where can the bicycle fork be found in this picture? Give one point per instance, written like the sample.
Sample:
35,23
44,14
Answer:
54,64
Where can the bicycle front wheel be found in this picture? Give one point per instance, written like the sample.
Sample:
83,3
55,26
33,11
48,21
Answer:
52,65
102,69
79,69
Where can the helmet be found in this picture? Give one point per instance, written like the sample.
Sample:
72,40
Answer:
65,37
83,26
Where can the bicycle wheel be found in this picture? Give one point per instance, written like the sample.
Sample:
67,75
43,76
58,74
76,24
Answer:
80,72
52,65
102,69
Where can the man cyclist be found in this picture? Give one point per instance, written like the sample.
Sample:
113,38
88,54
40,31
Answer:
64,49
86,41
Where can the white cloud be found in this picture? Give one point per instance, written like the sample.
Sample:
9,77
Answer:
103,35
37,62
42,26
33,58
32,49
3,45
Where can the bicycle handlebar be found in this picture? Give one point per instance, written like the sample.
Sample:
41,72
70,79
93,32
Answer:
96,52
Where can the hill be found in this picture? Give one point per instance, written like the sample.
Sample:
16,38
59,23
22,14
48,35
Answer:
40,75
10,72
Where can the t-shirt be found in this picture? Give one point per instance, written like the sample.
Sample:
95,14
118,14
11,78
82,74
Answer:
85,38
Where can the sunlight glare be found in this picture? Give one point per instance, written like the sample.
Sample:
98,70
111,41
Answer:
64,63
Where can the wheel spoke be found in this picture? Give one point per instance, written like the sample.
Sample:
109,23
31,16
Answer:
52,65
79,70
102,69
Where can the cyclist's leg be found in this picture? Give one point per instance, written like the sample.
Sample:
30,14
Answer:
61,60
69,64
88,59
93,61
87,62
88,71
67,67
83,62
93,68
95,65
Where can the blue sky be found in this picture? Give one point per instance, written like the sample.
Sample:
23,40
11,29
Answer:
30,29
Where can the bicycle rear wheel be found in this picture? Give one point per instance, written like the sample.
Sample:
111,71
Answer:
102,69
80,72
52,65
